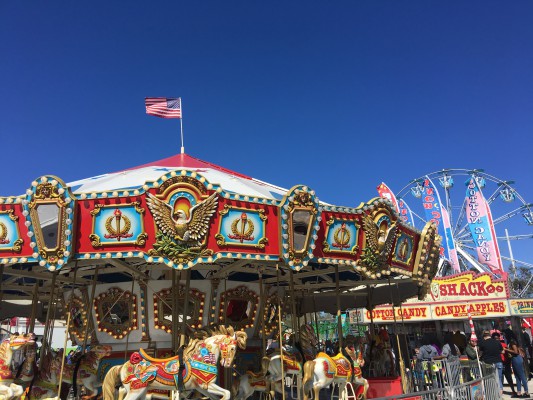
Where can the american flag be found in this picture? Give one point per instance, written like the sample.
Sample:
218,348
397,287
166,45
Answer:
163,107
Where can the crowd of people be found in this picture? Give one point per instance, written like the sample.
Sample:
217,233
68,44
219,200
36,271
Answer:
498,348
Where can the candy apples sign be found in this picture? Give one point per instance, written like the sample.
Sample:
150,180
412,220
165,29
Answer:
467,286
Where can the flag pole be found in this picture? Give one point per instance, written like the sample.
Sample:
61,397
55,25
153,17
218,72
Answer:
181,128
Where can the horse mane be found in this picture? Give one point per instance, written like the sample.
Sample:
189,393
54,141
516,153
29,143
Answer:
203,333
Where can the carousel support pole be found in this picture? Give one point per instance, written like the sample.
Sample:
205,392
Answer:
44,344
67,327
175,291
34,304
91,301
128,335
339,316
280,336
316,319
296,336
401,362
212,301
2,266
183,330
262,301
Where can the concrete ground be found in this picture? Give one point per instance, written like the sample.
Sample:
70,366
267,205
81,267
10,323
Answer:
507,390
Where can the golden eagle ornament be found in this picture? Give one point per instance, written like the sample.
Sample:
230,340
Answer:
176,225
379,243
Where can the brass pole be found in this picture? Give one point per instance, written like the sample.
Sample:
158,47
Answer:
128,334
337,295
185,308
175,310
91,301
64,354
280,336
293,307
262,301
401,362
34,304
44,344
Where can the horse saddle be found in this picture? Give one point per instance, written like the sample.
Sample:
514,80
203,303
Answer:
292,362
342,368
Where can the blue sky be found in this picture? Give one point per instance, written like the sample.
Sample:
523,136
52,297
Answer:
336,95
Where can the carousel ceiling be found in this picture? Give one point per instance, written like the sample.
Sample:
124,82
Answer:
183,213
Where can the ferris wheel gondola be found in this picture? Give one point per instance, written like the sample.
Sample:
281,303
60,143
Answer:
511,218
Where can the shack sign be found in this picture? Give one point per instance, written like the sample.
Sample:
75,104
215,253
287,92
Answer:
466,286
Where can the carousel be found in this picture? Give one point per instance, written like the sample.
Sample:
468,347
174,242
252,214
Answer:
172,278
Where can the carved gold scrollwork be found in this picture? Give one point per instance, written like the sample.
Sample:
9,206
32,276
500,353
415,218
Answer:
225,210
221,240
95,240
141,239
262,243
47,191
17,245
12,215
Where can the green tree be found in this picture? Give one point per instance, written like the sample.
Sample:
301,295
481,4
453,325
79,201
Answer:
520,282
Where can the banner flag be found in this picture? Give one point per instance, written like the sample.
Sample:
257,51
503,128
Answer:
439,215
386,193
405,212
400,205
482,228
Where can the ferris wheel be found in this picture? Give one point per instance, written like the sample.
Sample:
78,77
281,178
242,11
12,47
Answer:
486,225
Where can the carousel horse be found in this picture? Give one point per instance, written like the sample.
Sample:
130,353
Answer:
379,356
325,370
28,368
142,372
47,379
8,389
250,382
355,352
84,371
270,374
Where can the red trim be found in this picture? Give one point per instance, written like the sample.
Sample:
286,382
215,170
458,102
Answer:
187,161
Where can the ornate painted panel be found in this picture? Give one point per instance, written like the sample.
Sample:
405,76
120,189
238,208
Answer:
116,312
242,227
10,239
118,224
404,249
341,236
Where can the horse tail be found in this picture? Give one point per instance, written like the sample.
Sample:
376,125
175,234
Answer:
235,385
111,381
309,370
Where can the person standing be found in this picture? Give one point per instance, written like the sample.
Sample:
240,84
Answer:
507,368
518,368
470,349
491,350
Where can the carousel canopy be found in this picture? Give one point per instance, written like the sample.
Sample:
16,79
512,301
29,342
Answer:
181,213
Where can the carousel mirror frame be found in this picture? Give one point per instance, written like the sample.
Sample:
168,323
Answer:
197,313
78,332
113,296
240,293
272,301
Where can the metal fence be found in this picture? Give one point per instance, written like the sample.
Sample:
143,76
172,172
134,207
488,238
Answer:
450,380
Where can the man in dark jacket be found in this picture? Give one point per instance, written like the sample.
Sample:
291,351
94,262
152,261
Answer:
491,353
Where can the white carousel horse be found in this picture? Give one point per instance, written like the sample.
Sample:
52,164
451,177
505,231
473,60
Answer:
142,372
250,382
8,389
325,370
